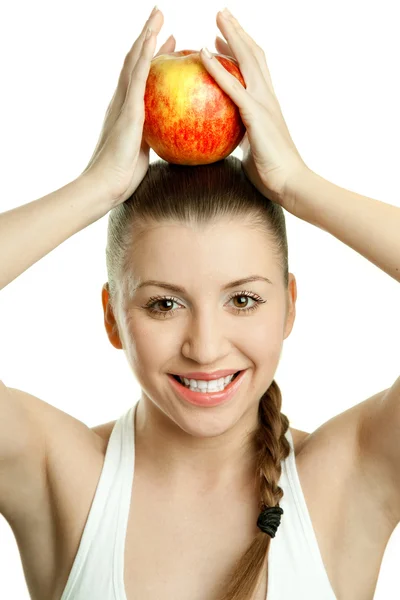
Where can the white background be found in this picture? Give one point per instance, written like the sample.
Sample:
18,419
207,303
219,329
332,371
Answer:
334,66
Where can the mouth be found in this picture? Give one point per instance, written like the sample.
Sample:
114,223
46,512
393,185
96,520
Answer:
182,382
209,394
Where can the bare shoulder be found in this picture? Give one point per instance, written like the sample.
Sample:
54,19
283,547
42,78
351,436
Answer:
299,438
335,440
58,444
339,434
56,432
103,431
59,449
330,465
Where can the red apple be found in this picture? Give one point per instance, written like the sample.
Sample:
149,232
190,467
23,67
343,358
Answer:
189,119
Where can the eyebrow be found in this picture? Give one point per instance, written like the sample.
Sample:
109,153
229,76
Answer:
181,290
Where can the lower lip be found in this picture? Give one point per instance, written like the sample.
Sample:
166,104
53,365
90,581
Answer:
209,398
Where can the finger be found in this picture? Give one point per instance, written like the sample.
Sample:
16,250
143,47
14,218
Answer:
168,46
156,22
133,106
234,25
229,84
117,101
249,65
120,92
223,48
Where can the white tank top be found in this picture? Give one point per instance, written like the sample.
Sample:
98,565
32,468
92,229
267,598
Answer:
295,564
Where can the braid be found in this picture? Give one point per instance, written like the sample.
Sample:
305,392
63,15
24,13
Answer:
271,447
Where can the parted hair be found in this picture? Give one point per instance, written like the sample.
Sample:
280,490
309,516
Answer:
201,194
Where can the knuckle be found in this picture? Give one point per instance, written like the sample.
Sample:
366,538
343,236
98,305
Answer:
125,79
259,51
236,85
128,60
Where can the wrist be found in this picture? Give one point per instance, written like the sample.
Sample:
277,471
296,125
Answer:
96,192
302,195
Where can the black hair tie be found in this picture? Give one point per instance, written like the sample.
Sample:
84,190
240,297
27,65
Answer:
270,519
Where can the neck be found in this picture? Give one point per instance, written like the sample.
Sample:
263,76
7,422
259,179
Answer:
195,455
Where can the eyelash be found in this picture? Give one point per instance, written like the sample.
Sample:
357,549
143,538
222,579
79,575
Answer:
154,299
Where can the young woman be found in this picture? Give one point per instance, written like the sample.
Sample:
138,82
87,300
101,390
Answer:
194,493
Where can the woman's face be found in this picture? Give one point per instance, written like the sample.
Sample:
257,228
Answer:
203,328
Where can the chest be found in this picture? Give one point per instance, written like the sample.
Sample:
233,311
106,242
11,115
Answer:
178,548
187,549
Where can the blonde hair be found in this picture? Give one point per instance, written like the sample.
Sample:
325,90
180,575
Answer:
202,194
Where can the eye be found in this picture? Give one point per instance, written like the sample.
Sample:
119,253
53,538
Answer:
247,296
166,302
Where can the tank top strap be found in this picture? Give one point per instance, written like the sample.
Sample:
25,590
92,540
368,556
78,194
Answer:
105,528
296,546
127,469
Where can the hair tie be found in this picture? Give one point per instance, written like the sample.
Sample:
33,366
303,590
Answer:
270,519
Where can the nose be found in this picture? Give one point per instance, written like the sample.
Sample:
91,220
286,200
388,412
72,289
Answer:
206,342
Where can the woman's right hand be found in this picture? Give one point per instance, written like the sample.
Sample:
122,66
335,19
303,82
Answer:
121,158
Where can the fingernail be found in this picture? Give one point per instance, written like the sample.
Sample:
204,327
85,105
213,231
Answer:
153,12
226,13
206,52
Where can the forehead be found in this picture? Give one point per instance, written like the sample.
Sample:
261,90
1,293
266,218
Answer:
227,248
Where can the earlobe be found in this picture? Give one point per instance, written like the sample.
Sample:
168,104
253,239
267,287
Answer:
109,318
289,324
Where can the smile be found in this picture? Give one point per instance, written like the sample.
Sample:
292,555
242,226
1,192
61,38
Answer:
201,386
207,393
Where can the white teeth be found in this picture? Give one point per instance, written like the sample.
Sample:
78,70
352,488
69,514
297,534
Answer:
215,385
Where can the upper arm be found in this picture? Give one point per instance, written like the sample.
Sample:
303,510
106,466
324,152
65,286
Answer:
22,446
19,422
379,444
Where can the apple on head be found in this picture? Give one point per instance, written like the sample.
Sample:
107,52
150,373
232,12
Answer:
189,119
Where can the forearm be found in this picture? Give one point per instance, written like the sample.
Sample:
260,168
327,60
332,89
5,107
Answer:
369,226
30,231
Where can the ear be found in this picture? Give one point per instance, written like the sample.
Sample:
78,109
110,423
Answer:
291,305
109,319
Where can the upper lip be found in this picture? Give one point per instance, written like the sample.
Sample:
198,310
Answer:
208,376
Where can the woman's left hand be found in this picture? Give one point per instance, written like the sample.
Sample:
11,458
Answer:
270,157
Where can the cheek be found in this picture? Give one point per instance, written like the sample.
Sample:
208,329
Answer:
148,344
268,331
264,342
